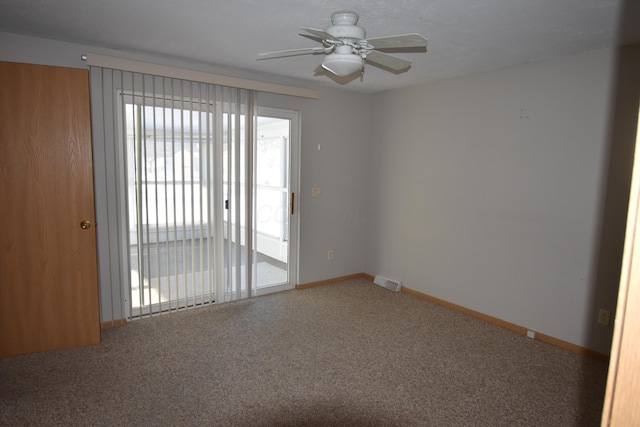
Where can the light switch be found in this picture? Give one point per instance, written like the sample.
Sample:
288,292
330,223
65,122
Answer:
315,192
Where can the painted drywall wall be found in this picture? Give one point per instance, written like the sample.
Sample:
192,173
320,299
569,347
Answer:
487,192
336,123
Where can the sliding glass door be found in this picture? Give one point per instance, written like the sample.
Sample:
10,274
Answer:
209,197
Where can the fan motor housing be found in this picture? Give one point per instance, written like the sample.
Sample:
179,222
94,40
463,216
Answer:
344,26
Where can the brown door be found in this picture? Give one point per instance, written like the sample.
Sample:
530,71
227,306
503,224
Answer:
48,274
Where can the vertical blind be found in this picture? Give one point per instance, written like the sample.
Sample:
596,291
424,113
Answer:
176,181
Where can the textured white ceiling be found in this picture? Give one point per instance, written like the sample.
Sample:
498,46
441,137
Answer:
465,36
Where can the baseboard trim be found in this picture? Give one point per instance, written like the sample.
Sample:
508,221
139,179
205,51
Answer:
334,280
113,324
511,326
572,347
491,319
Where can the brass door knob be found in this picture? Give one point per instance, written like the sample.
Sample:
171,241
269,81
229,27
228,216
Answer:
85,225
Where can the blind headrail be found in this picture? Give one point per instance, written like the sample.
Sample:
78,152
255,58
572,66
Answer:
197,76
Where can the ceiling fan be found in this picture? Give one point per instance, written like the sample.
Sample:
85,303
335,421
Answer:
347,49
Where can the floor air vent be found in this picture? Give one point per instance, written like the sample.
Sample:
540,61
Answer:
385,282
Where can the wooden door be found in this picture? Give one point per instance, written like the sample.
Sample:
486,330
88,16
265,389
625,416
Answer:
48,273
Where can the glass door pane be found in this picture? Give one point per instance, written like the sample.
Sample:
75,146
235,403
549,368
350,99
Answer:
272,201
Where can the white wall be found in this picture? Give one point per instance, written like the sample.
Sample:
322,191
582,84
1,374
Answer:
486,191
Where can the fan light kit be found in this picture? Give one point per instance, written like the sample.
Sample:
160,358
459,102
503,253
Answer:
347,49
342,62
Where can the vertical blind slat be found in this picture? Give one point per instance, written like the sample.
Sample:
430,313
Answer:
175,205
168,194
156,241
192,193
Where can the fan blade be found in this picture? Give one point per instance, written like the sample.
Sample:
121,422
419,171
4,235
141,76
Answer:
290,52
399,42
314,38
392,62
319,33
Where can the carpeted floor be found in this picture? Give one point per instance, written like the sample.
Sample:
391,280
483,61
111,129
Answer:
350,353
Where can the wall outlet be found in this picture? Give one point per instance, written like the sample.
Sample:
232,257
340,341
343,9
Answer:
330,255
315,192
604,317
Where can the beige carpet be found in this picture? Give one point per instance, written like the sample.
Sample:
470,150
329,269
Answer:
350,353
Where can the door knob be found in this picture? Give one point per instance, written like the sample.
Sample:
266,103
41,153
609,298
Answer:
85,225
